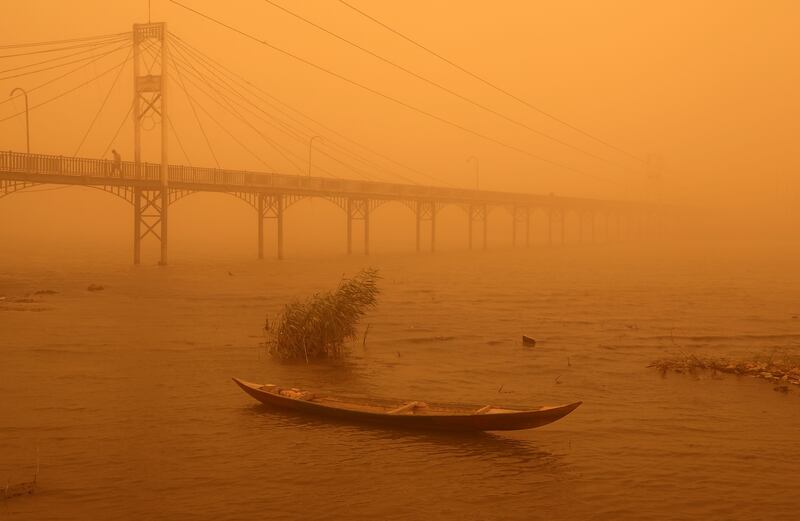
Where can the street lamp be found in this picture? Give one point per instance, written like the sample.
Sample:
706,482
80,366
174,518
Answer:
27,120
310,148
477,167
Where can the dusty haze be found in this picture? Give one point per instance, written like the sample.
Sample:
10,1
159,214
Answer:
124,395
708,87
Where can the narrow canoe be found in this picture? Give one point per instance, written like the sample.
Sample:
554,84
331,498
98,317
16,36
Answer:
417,415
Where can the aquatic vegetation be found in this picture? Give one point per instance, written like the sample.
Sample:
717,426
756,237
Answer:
780,367
319,326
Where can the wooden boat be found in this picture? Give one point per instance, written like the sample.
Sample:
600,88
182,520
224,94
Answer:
416,415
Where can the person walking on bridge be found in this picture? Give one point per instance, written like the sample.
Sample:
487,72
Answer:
116,165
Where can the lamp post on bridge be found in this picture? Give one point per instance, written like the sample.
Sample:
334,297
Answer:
477,169
310,148
27,119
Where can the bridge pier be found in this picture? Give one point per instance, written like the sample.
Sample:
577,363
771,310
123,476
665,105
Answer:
164,222
426,211
469,225
357,210
551,214
518,216
279,222
270,207
137,226
149,211
475,213
260,218
527,226
485,227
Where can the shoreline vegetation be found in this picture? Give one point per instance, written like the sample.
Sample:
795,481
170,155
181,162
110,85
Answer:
319,326
780,368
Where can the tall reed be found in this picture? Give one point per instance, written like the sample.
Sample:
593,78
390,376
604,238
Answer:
319,326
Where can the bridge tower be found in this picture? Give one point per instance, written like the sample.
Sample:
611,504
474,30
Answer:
150,204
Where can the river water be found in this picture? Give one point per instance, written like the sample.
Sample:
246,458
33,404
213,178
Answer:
126,394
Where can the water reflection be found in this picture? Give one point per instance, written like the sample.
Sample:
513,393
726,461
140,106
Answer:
512,455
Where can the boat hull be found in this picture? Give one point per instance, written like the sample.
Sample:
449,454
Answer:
504,421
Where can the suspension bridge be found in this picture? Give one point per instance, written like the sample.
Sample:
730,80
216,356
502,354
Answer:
163,63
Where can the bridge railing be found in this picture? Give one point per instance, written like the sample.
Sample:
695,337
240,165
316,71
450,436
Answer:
75,166
104,170
107,169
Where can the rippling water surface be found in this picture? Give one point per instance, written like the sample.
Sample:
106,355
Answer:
127,395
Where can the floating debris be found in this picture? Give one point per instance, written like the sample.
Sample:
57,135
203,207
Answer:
23,300
21,489
18,489
430,339
95,287
785,370
528,341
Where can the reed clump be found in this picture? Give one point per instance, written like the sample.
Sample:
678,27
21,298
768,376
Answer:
779,367
319,326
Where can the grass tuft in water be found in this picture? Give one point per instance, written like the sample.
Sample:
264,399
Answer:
779,366
319,326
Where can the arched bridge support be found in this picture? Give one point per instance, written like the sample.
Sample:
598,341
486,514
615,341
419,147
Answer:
149,211
520,215
477,212
426,211
357,210
556,213
270,207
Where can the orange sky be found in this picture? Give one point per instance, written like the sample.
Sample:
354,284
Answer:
708,86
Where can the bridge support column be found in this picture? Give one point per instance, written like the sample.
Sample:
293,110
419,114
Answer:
279,222
418,218
470,217
514,226
476,213
260,217
270,207
164,227
433,231
148,214
527,226
137,226
485,227
517,216
357,210
349,212
426,211
366,227
559,215
150,101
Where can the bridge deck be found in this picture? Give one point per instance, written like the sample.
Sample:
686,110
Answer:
39,168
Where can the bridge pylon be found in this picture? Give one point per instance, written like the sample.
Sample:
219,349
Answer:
150,206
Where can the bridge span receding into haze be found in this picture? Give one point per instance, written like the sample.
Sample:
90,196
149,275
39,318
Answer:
270,194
